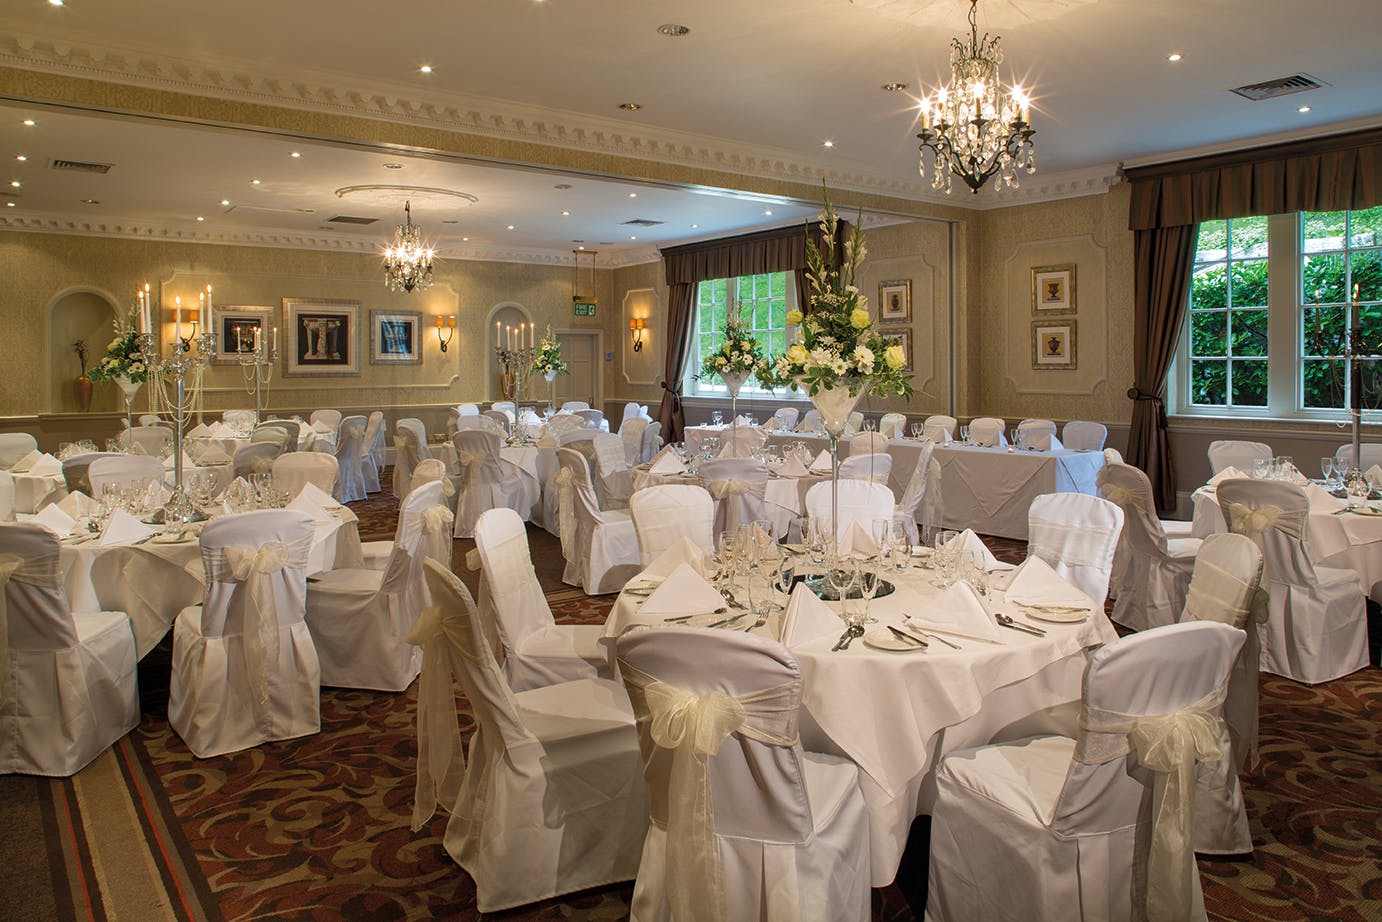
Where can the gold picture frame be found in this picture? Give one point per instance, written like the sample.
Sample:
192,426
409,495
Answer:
1054,345
895,301
1053,289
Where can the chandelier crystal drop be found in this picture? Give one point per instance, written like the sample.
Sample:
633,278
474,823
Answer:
408,264
973,128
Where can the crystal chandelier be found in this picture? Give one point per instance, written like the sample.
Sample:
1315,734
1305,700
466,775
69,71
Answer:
973,129
407,264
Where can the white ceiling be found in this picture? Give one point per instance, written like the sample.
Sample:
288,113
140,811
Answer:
762,83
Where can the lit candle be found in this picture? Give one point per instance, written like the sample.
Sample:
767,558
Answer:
208,319
497,340
148,310
201,309
177,316
275,340
257,331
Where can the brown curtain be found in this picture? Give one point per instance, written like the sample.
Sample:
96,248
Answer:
779,250
1168,203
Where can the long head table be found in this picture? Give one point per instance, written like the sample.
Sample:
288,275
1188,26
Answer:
990,489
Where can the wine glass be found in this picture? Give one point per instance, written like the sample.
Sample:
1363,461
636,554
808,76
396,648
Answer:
841,579
1260,468
717,418
1327,470
917,429
944,558
964,433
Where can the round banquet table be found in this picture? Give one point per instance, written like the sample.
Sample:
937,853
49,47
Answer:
895,714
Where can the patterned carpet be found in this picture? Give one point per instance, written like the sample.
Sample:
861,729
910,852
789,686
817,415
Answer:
318,827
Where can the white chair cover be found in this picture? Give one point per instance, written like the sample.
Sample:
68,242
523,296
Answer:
1076,534
471,422
350,454
633,410
15,445
67,680
148,440
1037,433
1112,456
745,824
932,502
507,407
572,406
1083,435
257,458
600,547
786,418
467,409
515,615
375,554
6,497
665,513
812,421
1226,587
410,447
244,667
1372,454
737,485
550,800
876,467
292,432
742,442
295,470
373,452
940,428
242,420
499,421
1157,574
486,481
868,443
652,441
330,418
359,617
893,425
593,418
860,501
853,423
118,470
613,478
1317,624
987,430
631,432
564,422
273,434
1226,453
905,516
1099,827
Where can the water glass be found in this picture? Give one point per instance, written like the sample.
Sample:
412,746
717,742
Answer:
917,430
1261,467
717,418
964,433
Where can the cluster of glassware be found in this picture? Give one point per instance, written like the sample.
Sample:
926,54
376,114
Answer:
1282,467
140,498
752,555
257,491
69,450
1337,480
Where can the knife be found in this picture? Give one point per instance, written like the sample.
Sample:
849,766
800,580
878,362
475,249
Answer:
903,635
939,631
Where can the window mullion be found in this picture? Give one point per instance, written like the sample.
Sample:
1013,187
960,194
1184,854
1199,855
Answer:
1283,315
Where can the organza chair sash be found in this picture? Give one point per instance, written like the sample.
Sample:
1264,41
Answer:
722,489
255,566
440,756
694,727
1168,745
566,510
1252,521
41,571
1226,598
437,522
1121,496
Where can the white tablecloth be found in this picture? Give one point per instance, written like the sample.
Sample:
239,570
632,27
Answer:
34,491
1347,542
990,489
152,582
896,714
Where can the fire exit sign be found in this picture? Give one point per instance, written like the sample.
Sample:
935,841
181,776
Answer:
583,308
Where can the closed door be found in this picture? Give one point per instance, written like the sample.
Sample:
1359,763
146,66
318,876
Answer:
578,351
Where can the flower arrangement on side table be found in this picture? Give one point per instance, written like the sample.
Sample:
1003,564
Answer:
123,364
547,362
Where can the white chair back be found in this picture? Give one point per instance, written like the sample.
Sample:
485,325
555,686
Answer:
741,442
350,449
272,434
256,458
1372,454
1113,456
876,466
295,470
410,448
613,478
593,418
329,418
932,502
634,410
6,496
149,419
467,409
120,470
1274,515
155,441
374,438
471,422
853,423
987,430
893,425
915,490
860,501
507,407
867,443
564,422
37,613
506,565
481,477
1129,489
631,431
737,485
665,513
235,606
1083,435
812,422
1037,433
572,406
242,420
939,428
1077,535
785,418
292,430
15,445
499,420
433,469
1226,453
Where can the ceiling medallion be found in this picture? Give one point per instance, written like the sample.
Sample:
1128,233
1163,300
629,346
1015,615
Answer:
408,264
972,128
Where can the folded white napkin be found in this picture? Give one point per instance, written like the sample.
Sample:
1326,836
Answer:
55,519
970,542
302,503
822,463
24,464
668,463
858,542
200,430
213,456
956,608
46,466
741,420
1373,475
1228,473
222,431
1035,583
123,528
792,467
78,505
684,592
807,618
187,462
683,552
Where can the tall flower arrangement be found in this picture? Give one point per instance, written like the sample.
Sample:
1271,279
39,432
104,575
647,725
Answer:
122,358
837,346
740,355
547,358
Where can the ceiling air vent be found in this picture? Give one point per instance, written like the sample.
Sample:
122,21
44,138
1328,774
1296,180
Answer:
1281,86
350,219
80,167
644,222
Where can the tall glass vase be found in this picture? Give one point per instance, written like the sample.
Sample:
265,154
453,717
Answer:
734,380
835,404
128,389
551,378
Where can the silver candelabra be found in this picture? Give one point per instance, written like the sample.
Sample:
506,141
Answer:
182,362
257,365
516,365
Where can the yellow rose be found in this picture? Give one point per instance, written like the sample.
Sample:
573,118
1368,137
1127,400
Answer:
794,318
797,354
895,357
859,319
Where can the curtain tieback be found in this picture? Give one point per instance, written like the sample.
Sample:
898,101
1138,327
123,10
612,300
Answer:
1137,394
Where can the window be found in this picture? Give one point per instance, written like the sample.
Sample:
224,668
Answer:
762,301
1271,305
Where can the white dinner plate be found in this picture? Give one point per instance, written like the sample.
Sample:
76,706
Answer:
1366,510
172,538
709,619
1055,615
880,638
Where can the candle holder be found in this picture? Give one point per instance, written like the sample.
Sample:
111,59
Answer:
516,364
257,365
177,366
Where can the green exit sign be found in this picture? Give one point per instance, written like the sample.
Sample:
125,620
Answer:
583,308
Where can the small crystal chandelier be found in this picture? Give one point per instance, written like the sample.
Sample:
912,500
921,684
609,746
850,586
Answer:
408,264
972,129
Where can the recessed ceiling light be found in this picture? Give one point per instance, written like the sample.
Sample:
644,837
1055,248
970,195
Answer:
562,185
200,218
254,182
566,214
10,204
15,184
393,166
510,227
426,68
633,195
29,123
450,221
55,2
673,29
91,201
768,212
630,106
21,158
225,201
633,238
1303,109
295,154
894,87
579,248
465,239
694,226
828,144
1173,57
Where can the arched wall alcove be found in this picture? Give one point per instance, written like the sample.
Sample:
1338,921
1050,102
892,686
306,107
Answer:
85,314
503,314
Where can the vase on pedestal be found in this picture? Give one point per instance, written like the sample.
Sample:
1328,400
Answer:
551,377
128,389
835,404
734,380
81,389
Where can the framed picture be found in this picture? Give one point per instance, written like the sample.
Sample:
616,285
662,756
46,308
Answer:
902,338
236,327
1053,289
1053,344
895,301
395,337
323,337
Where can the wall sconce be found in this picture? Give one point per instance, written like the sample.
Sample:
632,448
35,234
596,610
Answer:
636,327
447,323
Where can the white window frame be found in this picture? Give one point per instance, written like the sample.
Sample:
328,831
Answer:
692,387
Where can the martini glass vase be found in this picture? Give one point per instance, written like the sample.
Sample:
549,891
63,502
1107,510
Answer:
551,378
128,389
835,403
734,380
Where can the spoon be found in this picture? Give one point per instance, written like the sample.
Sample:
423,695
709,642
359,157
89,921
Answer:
1007,622
855,630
